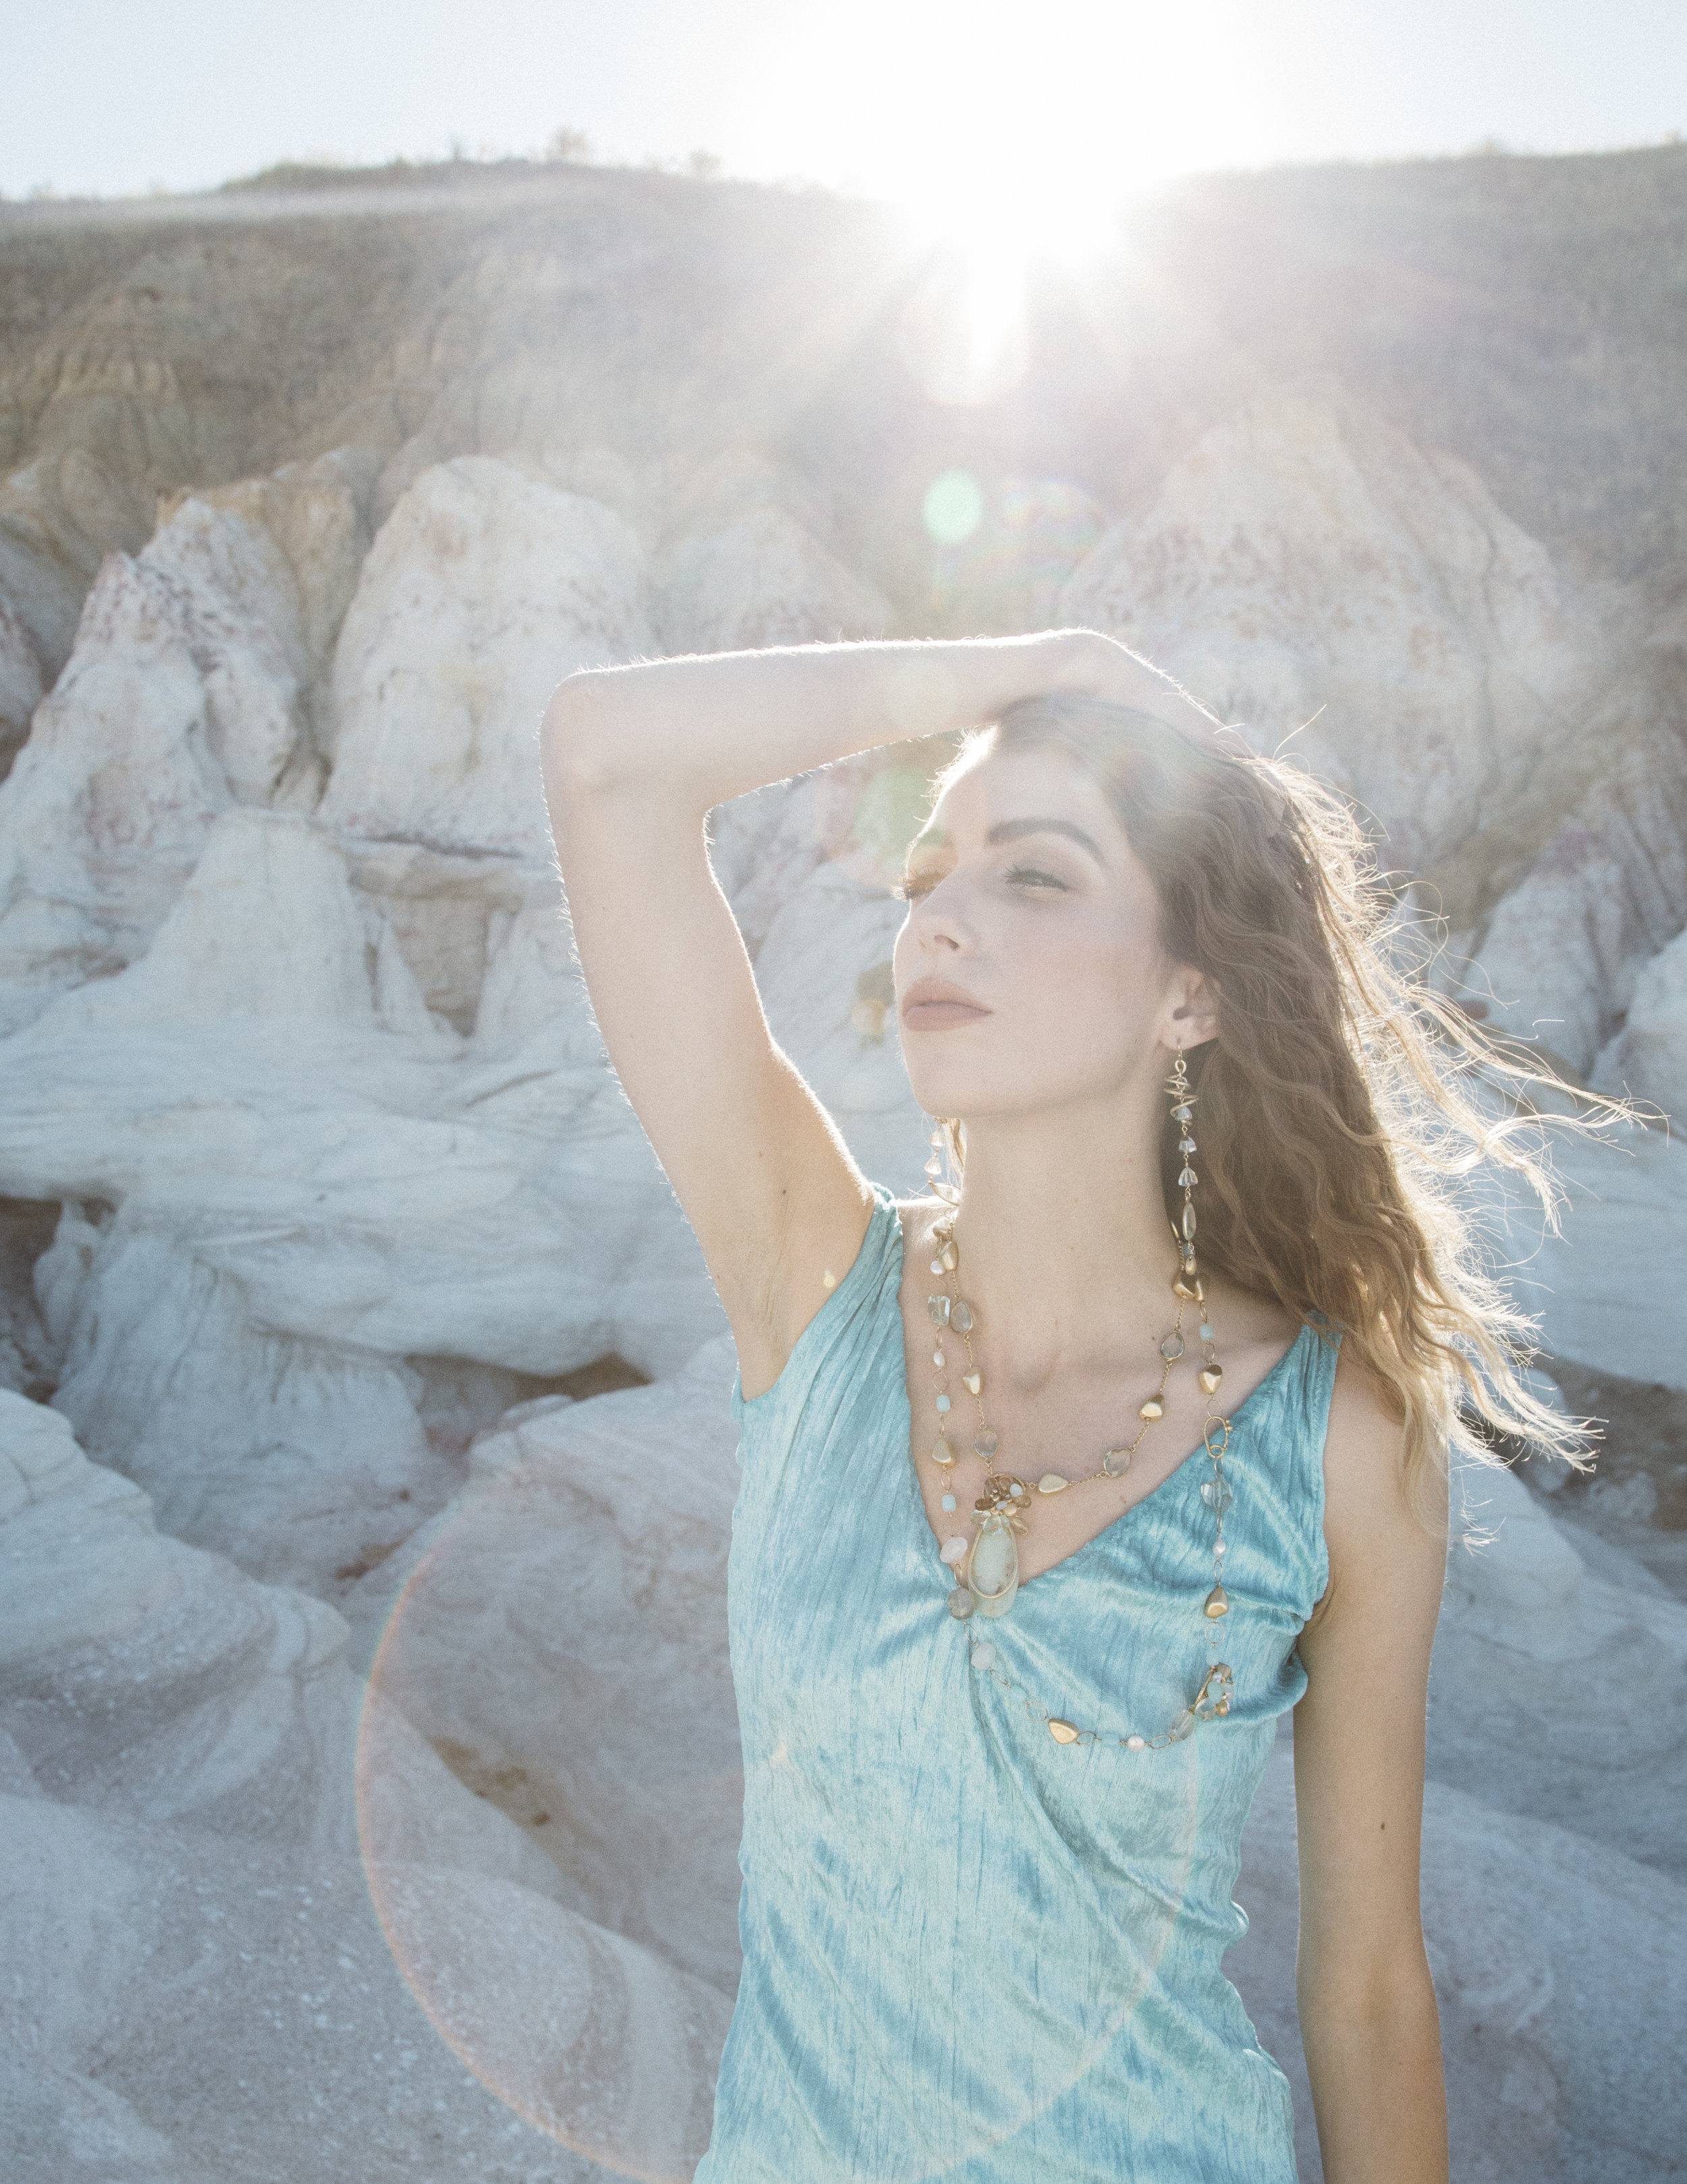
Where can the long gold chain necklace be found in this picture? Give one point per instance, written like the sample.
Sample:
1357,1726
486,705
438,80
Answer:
987,1564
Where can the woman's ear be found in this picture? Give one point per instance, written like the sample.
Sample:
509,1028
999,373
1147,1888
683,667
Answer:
1195,1013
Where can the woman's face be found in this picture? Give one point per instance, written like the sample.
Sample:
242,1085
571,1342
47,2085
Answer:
1029,972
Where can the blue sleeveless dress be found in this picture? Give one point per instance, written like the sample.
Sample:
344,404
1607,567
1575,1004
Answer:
969,1952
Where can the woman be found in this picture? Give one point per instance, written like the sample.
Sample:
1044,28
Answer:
1061,1485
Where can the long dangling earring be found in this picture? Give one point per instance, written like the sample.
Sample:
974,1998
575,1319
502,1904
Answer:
1216,1491
943,1167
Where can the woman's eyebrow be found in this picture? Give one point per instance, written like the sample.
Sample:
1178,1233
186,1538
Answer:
1015,830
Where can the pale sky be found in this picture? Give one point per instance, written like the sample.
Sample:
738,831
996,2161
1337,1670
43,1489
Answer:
928,99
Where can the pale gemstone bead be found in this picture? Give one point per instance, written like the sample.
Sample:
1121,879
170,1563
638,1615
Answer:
954,1550
942,1403
948,1501
1052,1483
961,1603
983,1653
960,1318
938,1359
1136,1743
984,1441
995,1561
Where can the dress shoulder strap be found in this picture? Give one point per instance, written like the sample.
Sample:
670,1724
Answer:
841,1347
1282,1430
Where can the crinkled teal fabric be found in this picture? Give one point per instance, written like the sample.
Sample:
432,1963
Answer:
969,1952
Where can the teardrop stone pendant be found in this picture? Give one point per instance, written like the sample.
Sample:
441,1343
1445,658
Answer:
992,1570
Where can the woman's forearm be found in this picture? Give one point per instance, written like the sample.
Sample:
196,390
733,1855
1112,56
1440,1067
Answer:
1378,2086
715,726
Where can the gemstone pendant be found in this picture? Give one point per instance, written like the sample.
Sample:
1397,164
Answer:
943,1454
960,1318
1061,1731
992,1568
1117,1463
1172,1348
937,1307
1217,1494
961,1603
984,1441
1052,1483
1217,1603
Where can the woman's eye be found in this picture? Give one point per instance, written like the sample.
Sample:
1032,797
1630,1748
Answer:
1033,876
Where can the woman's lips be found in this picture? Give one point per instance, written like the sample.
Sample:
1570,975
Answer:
934,1004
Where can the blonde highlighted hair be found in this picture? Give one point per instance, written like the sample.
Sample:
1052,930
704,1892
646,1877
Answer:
1342,1098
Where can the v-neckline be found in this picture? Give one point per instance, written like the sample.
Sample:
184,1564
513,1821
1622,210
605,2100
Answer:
910,1462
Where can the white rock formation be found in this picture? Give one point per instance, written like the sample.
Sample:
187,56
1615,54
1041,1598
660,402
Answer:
1647,1060
484,587
587,1560
1306,567
181,698
1624,1214
142,1678
1561,956
762,580
1524,1617
195,1961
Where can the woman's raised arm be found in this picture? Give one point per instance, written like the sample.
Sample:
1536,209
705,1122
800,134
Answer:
635,759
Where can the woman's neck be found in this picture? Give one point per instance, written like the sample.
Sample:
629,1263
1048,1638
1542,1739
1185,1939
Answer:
1064,1249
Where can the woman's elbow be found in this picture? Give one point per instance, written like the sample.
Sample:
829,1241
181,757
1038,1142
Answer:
575,744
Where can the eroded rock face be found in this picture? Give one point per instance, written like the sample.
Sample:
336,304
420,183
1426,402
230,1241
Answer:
182,699
1562,955
20,683
483,590
763,580
1648,1058
1308,572
198,1953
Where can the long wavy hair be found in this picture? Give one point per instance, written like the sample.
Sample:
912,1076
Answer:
1343,1099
